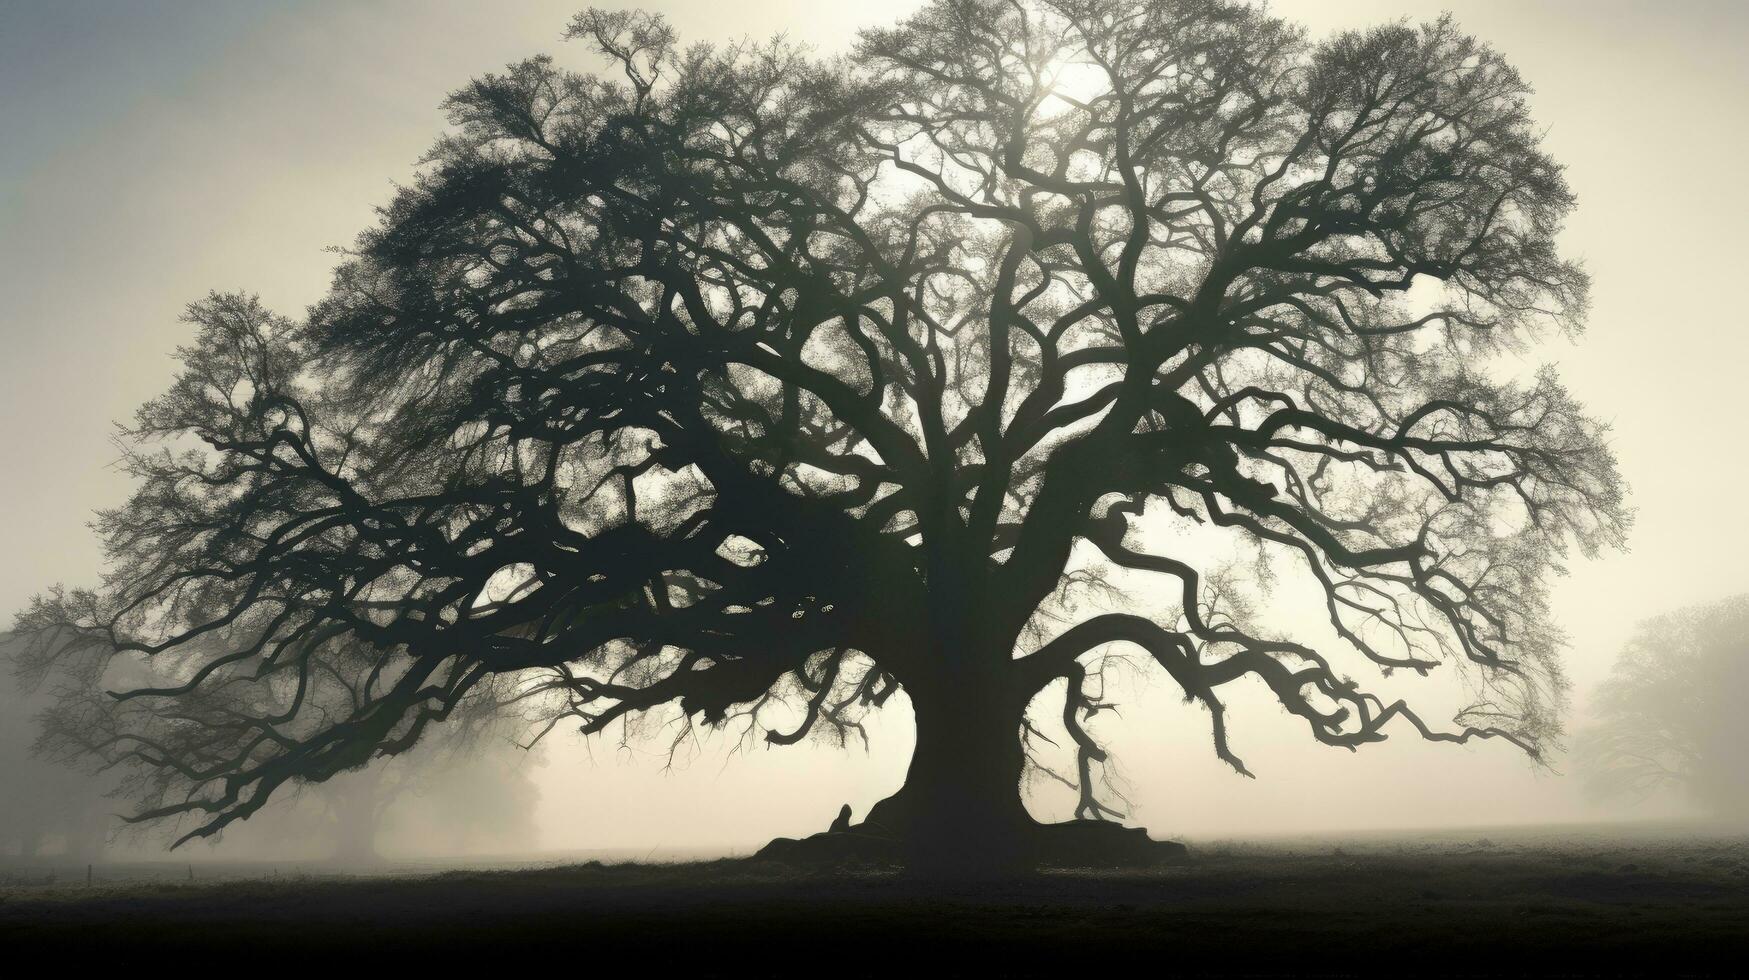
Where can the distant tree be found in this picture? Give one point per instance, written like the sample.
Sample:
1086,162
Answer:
472,765
766,387
449,794
1669,717
469,778
44,807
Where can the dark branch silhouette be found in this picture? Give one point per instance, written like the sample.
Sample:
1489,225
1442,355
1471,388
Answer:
768,386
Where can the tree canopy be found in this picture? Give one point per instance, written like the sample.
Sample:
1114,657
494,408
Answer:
768,385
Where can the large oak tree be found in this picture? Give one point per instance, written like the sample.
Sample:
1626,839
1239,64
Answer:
742,379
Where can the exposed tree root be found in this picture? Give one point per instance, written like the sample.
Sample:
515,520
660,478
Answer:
1072,844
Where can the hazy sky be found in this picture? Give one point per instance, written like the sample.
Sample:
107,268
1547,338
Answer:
153,150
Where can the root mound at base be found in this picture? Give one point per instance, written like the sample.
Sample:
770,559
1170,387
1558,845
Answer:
1072,844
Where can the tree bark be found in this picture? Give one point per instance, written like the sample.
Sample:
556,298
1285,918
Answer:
960,811
960,815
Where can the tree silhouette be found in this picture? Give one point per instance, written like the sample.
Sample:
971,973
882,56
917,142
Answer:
1668,719
768,386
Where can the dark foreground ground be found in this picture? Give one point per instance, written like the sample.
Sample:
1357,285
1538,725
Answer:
1576,904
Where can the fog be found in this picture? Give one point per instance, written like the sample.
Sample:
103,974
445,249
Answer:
154,152
467,791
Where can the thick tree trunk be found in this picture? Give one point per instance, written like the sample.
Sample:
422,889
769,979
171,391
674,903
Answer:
356,842
960,810
960,814
356,809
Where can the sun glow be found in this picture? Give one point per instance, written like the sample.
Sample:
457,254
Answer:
1072,84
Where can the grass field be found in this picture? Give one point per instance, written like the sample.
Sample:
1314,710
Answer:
1499,903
